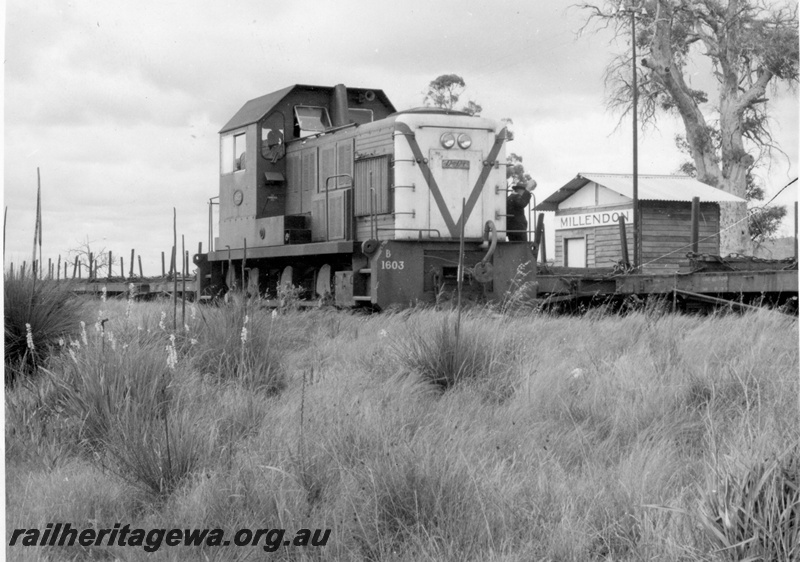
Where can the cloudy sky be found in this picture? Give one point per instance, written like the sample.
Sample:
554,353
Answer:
119,103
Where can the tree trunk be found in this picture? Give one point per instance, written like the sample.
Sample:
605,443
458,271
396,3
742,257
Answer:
734,237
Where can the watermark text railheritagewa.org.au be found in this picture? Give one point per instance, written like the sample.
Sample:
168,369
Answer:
63,534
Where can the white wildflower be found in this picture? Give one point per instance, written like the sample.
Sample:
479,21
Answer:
186,327
577,373
193,341
244,329
29,337
274,313
172,354
111,340
131,290
74,358
193,313
83,334
161,323
104,293
384,334
75,344
61,342
172,357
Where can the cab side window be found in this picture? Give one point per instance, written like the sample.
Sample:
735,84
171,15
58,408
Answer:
232,153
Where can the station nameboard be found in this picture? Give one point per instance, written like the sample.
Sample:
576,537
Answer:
599,218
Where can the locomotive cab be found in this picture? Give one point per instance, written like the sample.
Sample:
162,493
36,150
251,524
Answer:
254,195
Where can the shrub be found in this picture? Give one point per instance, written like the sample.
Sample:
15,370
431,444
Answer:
37,313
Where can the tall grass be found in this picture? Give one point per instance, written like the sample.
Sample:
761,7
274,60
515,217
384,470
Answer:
555,439
243,343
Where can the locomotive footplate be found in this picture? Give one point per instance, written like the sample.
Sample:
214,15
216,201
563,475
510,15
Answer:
410,272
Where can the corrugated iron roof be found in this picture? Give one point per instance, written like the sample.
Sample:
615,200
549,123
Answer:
651,188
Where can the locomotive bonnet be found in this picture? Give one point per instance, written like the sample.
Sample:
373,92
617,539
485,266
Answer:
331,193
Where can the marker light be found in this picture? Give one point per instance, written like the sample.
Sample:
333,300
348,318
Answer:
448,140
464,141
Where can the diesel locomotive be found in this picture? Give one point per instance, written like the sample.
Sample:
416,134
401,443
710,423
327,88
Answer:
332,193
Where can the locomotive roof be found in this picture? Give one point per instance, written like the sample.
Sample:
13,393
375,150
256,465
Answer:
651,188
256,109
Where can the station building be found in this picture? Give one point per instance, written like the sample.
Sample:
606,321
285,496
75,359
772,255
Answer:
588,207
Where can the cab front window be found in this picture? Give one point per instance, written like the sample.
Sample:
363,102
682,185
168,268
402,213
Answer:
311,120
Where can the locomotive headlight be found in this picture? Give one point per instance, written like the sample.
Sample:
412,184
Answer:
448,140
464,141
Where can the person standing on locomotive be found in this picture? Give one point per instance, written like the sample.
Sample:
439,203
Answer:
517,202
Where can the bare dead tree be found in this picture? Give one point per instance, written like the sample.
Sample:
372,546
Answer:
88,248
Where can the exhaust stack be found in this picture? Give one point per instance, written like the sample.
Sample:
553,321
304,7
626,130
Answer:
339,116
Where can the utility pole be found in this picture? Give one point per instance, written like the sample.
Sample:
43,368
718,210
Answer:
636,216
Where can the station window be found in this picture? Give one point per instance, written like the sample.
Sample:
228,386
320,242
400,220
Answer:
312,120
232,153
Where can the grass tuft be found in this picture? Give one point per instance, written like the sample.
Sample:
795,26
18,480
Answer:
36,314
446,351
754,514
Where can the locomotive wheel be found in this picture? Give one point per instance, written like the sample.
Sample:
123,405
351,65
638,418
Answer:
287,276
323,284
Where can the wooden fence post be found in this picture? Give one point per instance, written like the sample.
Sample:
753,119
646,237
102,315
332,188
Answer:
623,240
140,267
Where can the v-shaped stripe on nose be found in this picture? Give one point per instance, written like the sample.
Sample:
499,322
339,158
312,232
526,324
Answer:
452,226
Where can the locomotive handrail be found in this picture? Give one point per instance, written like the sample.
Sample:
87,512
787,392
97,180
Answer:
327,214
419,230
211,222
490,129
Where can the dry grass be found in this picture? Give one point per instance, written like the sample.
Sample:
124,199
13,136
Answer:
554,438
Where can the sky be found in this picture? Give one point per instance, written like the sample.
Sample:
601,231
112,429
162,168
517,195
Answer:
119,104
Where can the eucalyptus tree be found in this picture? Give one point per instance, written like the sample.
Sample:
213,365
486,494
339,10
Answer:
749,49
